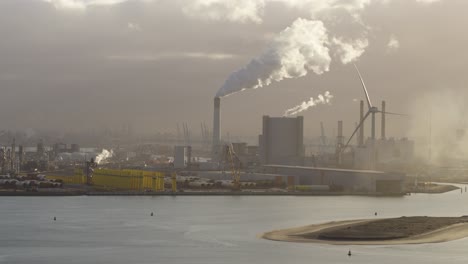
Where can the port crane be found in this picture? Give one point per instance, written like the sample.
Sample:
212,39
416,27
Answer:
235,164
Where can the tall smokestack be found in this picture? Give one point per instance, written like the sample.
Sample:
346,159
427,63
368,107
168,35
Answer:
216,125
382,130
361,129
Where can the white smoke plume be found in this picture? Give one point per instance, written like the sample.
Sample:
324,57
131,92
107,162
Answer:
349,51
304,46
321,99
296,50
105,154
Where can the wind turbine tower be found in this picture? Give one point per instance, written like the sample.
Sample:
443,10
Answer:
371,110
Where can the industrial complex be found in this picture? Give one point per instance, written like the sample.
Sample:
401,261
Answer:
278,164
281,162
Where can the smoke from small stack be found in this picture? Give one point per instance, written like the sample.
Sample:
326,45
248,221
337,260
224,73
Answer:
321,99
105,154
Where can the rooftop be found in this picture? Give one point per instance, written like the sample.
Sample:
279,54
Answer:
321,169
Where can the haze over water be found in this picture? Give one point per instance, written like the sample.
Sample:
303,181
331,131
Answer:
208,229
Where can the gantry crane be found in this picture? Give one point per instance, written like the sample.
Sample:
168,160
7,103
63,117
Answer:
235,164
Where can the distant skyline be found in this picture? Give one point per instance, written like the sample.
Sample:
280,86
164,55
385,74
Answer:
77,65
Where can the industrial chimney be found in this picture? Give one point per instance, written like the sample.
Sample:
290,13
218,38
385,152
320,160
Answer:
216,126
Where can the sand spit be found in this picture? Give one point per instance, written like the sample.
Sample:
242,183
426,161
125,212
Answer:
390,231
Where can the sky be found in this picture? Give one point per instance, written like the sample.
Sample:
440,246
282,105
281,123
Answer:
78,65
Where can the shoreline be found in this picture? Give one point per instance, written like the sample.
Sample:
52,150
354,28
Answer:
90,192
192,193
84,192
313,232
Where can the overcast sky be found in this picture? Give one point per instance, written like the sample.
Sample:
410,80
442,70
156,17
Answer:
92,64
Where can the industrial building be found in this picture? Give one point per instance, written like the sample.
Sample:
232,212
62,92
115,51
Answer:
365,181
380,152
282,141
383,153
248,155
62,148
182,156
281,153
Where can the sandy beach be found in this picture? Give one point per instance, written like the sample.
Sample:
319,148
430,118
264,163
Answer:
446,230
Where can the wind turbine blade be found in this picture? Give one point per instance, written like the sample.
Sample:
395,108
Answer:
355,130
369,104
390,113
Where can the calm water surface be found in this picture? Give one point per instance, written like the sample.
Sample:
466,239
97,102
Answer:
208,229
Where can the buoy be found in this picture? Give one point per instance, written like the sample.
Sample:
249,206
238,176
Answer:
55,218
151,213
349,253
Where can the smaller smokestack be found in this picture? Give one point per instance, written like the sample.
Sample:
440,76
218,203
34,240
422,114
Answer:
216,126
361,129
382,130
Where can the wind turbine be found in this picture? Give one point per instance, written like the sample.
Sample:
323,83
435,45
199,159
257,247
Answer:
372,110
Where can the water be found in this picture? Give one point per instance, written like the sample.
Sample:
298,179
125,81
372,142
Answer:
208,229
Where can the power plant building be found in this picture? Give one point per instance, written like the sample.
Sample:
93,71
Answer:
282,141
